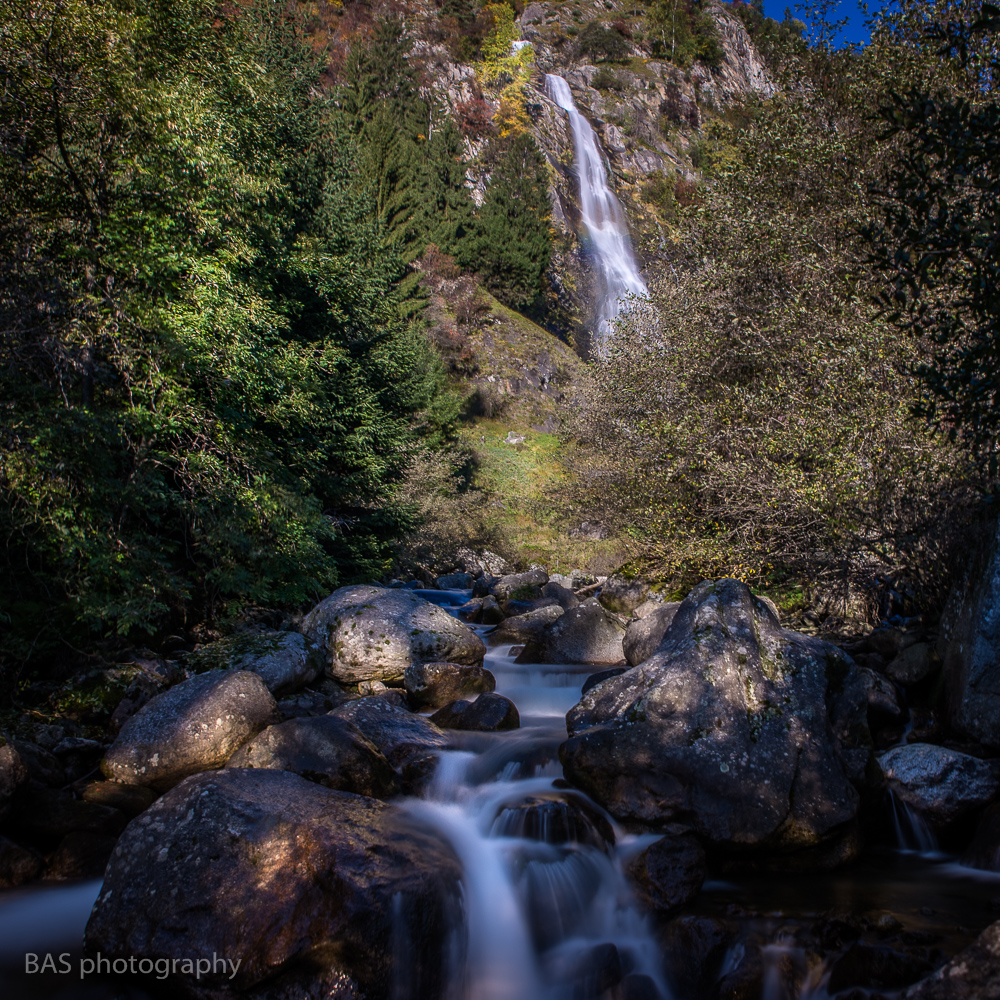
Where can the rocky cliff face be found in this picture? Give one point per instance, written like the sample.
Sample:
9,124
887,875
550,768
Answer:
648,115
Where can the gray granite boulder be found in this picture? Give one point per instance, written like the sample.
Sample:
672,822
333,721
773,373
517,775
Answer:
623,594
280,875
585,634
751,735
528,627
973,974
367,633
669,873
194,726
489,713
283,660
520,583
431,685
913,664
398,734
643,635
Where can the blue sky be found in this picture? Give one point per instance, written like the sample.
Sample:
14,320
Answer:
854,32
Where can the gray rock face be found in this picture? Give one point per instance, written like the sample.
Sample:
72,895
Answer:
13,774
194,726
524,628
330,751
373,634
431,685
645,634
622,595
564,595
489,713
506,586
913,664
971,650
587,634
942,785
670,873
749,734
973,974
398,734
285,666
281,874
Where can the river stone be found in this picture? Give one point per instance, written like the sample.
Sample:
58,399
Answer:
492,613
42,764
373,634
13,774
489,713
398,734
556,817
669,874
750,734
278,872
587,634
194,726
129,799
564,595
484,585
643,635
973,974
695,948
970,645
914,664
330,751
533,580
431,685
622,594
285,666
874,965
942,785
524,628
18,864
600,677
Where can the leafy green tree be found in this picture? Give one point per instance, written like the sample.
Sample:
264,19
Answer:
513,245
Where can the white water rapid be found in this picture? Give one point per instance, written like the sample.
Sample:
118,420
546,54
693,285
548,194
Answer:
607,231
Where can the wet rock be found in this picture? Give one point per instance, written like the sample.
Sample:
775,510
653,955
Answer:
513,608
44,816
18,864
491,613
81,854
489,713
471,611
589,973
194,726
283,875
454,581
431,685
525,628
484,585
601,676
636,986
670,873
913,664
884,700
398,734
308,703
78,757
520,585
564,595
694,949
942,785
872,965
984,851
886,642
644,635
749,734
587,634
973,974
13,775
622,594
330,751
42,764
370,633
557,818
128,799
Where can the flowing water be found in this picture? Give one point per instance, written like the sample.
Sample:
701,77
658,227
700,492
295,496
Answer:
607,238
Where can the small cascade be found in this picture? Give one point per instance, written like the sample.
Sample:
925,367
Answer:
607,230
913,835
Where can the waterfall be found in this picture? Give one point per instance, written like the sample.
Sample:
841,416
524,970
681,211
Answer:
607,230
913,835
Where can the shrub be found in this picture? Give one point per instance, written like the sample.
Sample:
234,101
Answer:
601,43
607,79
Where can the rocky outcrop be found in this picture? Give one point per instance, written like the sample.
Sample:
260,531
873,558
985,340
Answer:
943,785
752,735
431,685
970,646
279,874
194,726
367,633
586,634
644,634
330,751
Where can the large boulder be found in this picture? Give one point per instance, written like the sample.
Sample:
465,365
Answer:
669,873
562,594
283,660
942,785
970,648
489,713
368,633
751,735
527,585
276,873
643,635
913,664
586,634
623,594
398,734
528,627
330,751
973,974
194,726
431,685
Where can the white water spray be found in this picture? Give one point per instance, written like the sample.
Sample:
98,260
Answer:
604,219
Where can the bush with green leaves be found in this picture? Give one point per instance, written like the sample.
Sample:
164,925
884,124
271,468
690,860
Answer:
602,43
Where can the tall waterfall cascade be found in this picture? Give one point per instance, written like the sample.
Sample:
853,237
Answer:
607,230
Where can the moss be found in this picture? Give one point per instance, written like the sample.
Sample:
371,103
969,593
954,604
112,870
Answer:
222,654
525,593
